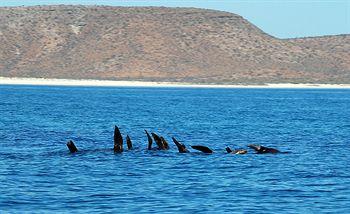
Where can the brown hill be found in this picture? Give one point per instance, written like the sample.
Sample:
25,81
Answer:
163,44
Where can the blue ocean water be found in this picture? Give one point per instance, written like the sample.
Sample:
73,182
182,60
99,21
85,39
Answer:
39,175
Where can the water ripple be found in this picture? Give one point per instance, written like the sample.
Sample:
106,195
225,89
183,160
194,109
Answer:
38,174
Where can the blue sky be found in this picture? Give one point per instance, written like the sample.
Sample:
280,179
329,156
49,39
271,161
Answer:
283,19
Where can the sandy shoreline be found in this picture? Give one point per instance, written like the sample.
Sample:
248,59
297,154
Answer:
109,83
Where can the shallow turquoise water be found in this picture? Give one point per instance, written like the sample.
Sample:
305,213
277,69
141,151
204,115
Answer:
38,174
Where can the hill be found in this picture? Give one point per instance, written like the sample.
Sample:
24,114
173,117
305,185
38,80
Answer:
162,44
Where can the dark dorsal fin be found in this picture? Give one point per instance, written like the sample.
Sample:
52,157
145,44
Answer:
118,140
72,148
150,141
228,149
158,141
203,149
128,142
165,143
181,147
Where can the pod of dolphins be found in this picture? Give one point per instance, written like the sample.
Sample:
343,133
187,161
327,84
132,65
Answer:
162,144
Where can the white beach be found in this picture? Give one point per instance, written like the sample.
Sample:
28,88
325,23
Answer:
110,83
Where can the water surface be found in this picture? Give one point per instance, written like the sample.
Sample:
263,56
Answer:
38,174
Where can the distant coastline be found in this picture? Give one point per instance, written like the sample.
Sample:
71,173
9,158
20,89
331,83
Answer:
171,44
110,83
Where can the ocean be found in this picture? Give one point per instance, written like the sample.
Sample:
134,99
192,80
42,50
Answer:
39,175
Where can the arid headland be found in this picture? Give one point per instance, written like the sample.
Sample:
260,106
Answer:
161,44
